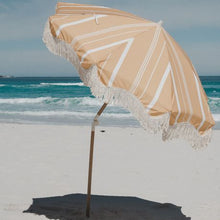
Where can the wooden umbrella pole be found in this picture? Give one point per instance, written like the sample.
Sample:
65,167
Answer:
94,123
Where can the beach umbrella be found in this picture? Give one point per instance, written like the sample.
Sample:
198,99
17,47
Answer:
134,63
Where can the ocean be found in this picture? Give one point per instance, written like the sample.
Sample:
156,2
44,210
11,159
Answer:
65,100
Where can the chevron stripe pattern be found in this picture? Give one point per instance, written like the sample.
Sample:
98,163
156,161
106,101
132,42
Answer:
138,56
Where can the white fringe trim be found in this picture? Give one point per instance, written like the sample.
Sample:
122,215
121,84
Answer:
121,97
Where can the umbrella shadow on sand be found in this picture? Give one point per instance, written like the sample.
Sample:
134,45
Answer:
72,207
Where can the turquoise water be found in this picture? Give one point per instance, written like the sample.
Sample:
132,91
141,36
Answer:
68,101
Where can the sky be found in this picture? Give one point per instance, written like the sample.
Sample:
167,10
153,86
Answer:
195,25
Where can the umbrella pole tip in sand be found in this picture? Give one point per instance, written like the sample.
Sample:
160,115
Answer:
94,123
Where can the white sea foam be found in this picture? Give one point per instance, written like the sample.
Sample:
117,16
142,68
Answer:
43,85
214,103
62,84
214,98
211,86
84,101
78,114
90,101
65,113
24,100
61,107
216,117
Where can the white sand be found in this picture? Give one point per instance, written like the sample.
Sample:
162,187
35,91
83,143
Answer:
44,161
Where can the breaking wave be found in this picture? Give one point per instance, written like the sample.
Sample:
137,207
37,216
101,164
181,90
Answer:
65,113
62,84
83,101
24,100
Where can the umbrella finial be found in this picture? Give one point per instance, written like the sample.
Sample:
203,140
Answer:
96,19
160,22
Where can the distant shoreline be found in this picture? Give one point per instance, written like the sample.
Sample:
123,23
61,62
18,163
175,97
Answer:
5,77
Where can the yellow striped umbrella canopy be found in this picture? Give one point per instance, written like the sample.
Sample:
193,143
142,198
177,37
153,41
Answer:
134,63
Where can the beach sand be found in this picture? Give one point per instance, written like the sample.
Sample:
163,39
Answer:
50,163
